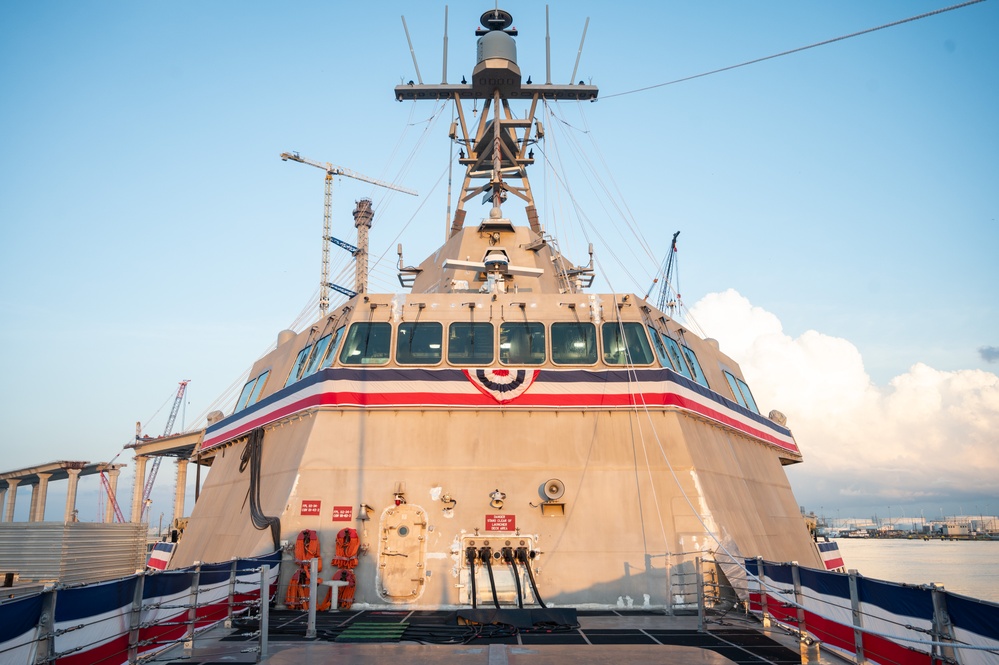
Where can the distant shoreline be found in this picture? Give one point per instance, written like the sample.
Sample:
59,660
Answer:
916,536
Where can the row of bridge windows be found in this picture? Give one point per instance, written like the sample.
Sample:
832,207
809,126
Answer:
477,344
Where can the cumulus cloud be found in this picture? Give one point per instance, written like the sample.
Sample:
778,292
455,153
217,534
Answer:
989,354
929,436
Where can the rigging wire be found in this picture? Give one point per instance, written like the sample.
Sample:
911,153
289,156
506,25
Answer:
642,407
585,223
582,157
629,217
795,50
410,220
410,160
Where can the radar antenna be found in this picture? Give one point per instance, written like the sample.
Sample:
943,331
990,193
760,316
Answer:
495,149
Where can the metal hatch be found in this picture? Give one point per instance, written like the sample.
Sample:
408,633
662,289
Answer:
401,552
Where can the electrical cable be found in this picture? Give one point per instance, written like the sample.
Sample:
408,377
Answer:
795,50
252,454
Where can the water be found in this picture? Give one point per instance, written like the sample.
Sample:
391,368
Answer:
965,567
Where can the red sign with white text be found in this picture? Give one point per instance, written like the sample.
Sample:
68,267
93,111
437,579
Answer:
342,513
501,522
311,507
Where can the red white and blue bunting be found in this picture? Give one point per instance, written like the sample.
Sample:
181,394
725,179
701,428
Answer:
503,385
500,388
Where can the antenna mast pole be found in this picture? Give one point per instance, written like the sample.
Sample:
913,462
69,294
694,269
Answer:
548,51
580,51
419,79
444,71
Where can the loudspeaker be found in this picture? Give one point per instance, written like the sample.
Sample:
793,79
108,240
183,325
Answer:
553,489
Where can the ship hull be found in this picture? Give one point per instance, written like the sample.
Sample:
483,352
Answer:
644,492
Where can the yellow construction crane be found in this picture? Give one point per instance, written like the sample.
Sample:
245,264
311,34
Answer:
362,222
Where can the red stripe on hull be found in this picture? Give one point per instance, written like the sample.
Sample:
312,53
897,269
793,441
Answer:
829,632
479,400
109,653
882,650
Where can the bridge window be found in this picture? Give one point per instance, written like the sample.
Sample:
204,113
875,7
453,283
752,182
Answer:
522,343
626,343
574,343
296,370
331,354
317,355
251,391
741,392
695,367
660,347
676,357
470,343
418,343
245,395
258,388
367,344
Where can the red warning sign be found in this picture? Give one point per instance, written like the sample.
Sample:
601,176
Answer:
501,522
342,513
311,507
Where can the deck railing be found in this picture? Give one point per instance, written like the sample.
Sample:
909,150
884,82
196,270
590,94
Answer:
863,619
129,619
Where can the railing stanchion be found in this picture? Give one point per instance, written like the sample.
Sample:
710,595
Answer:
265,598
232,594
192,612
310,630
135,618
858,619
45,632
760,574
798,600
699,581
942,629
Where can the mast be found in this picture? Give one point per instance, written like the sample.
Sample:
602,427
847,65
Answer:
497,146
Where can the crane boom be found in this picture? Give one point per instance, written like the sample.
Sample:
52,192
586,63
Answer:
334,170
112,499
155,468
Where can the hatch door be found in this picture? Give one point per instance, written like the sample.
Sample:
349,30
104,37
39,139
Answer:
401,553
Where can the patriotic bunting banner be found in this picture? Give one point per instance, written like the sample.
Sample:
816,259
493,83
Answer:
491,388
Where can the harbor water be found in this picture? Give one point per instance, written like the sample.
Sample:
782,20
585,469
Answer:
964,567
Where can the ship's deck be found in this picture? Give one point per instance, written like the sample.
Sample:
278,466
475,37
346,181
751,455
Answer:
433,637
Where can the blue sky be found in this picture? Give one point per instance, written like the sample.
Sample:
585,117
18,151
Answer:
149,233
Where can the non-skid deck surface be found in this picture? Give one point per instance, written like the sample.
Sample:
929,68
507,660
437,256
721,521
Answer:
737,644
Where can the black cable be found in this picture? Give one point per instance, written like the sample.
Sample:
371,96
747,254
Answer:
522,554
470,555
512,560
487,557
251,457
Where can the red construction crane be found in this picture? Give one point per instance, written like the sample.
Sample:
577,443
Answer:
154,469
111,497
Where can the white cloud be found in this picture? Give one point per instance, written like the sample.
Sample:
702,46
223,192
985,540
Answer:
929,435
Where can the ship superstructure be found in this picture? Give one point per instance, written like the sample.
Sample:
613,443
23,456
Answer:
499,434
